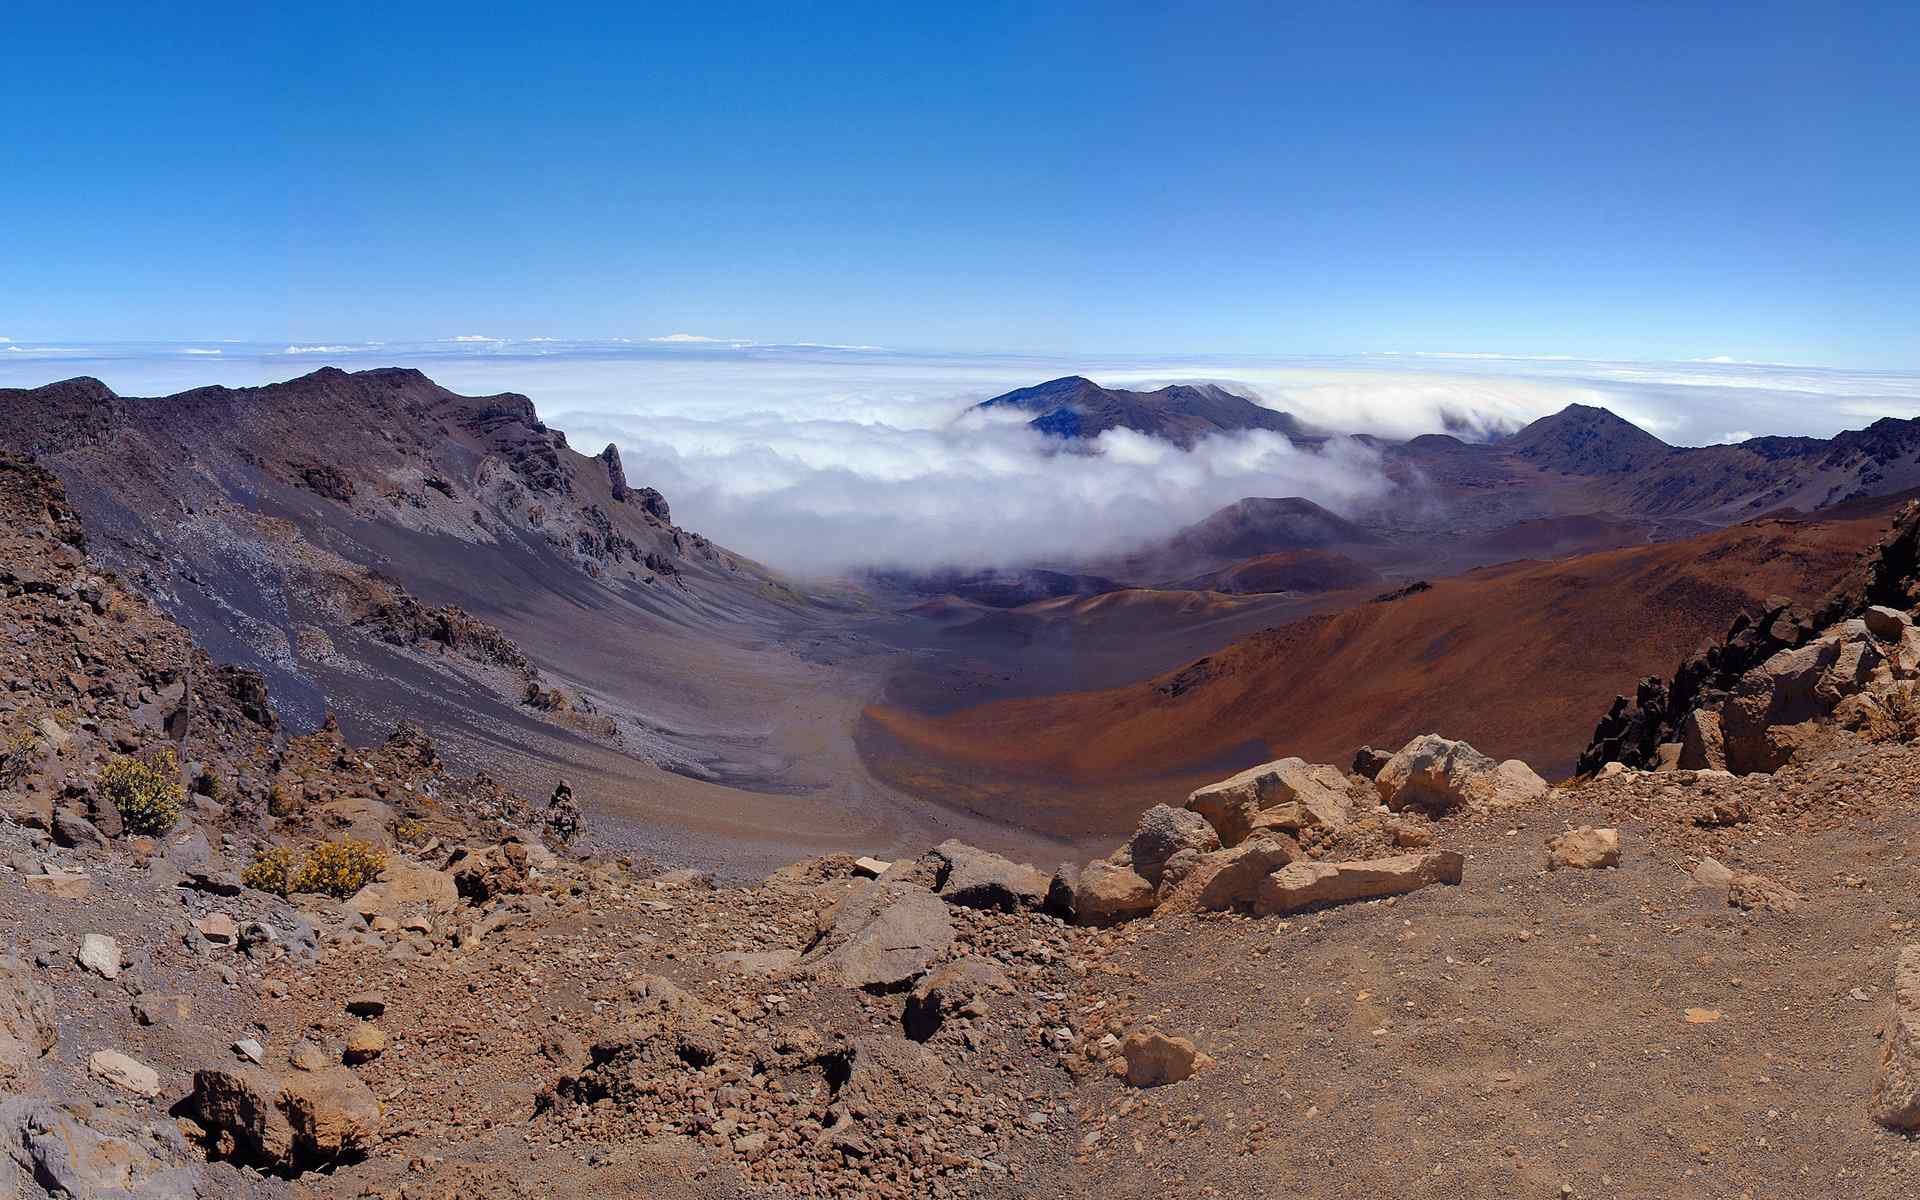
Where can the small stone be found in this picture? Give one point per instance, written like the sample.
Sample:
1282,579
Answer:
100,954
162,1010
218,929
125,1073
366,1004
1584,849
61,885
1152,1058
364,1044
307,1056
251,1050
872,868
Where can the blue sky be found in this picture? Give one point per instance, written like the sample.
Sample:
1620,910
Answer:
1626,181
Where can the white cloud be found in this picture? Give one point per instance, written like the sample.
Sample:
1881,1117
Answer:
320,350
1735,436
473,337
196,350
678,338
3,341
45,350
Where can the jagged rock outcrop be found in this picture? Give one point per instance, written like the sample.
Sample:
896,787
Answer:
1440,775
1286,794
616,474
1632,732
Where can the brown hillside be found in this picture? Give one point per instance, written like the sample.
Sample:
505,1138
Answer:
1515,658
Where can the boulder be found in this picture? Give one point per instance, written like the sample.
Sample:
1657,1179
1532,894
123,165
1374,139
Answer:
94,1153
1066,880
964,986
100,954
975,878
1108,893
73,830
1304,884
287,1123
1164,832
404,889
1887,624
1152,1058
1896,1085
60,885
127,1074
156,1008
1702,746
1231,805
1764,724
1584,849
891,1076
1231,878
881,935
1440,775
1713,873
364,1044
1367,761
29,1023
1753,891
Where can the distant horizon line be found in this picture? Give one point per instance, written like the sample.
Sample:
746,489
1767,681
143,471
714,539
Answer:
79,349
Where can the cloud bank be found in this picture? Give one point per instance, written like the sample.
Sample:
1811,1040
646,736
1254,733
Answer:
816,459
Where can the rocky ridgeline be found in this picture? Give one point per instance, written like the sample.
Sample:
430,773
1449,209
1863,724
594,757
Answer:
1756,678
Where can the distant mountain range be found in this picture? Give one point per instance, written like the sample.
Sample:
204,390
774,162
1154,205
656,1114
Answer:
1076,408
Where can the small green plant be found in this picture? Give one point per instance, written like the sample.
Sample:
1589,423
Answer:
146,791
340,869
273,870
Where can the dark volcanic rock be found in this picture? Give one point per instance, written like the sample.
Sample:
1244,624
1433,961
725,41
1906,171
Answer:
616,474
1077,408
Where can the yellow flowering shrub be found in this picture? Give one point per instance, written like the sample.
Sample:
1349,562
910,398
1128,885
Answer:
147,792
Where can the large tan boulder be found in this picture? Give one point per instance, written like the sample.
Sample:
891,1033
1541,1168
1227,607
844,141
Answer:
1231,878
1896,1086
1150,1058
406,889
1108,893
287,1123
1232,805
1304,884
1441,775
1584,849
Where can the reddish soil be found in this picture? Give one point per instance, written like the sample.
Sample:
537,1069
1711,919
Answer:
1518,659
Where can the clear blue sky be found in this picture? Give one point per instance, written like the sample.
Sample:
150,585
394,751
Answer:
1662,180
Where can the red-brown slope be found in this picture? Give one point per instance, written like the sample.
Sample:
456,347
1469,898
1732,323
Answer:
1515,659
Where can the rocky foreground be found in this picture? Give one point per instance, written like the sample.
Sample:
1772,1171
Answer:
246,963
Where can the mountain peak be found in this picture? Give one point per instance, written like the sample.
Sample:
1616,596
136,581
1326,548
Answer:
1584,439
1075,407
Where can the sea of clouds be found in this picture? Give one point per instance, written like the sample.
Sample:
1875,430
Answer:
819,459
